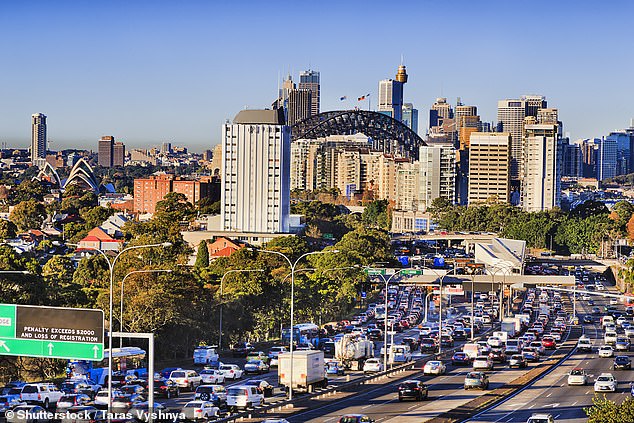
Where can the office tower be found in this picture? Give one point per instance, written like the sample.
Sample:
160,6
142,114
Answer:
511,114
439,110
606,166
391,95
623,140
207,155
118,154
572,159
542,166
534,103
255,192
309,80
589,149
106,151
299,106
489,167
437,174
38,137
166,147
410,116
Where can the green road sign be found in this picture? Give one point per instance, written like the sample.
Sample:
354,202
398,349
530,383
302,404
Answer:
411,272
52,332
375,272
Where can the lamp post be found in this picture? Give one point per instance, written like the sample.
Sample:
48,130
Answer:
505,270
111,265
123,284
293,265
222,280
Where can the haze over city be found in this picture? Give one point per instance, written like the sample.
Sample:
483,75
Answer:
148,72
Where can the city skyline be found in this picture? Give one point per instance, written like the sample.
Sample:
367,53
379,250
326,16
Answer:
176,72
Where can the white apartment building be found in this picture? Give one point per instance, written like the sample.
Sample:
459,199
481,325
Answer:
542,161
255,188
489,167
437,174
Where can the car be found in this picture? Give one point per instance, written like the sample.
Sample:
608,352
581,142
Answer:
412,389
333,367
372,365
622,344
538,347
199,410
606,351
434,367
355,418
263,386
428,345
71,400
622,362
243,396
541,418
256,366
186,379
596,310
123,402
548,342
482,362
101,397
139,412
629,331
164,388
230,371
494,342
241,349
517,360
605,382
497,355
207,392
477,380
210,376
530,354
8,403
258,355
34,414
274,421
460,359
588,319
577,376
275,351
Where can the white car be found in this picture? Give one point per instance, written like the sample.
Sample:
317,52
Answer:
605,382
372,365
434,367
606,351
629,331
494,342
187,379
482,363
621,320
205,392
230,371
210,376
101,397
199,410
577,376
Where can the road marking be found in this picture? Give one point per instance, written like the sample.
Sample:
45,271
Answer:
366,406
533,405
574,403
547,396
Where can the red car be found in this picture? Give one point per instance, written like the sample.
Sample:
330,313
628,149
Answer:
404,324
549,343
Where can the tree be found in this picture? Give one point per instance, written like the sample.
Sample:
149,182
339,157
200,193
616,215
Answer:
8,229
95,216
606,411
630,229
28,215
202,256
174,204
377,215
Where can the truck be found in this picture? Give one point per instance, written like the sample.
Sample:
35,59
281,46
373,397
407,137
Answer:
205,355
308,370
352,351
503,335
510,327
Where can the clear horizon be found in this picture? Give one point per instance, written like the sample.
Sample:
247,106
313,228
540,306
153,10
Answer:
148,72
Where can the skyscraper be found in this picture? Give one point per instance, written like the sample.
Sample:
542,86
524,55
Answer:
38,137
118,154
489,167
410,116
391,95
299,106
542,166
606,166
106,151
255,192
309,80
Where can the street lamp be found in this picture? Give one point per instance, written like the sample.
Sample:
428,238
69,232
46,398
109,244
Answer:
122,285
111,265
292,265
222,280
505,271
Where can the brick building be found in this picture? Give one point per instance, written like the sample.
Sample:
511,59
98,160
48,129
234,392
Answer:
149,191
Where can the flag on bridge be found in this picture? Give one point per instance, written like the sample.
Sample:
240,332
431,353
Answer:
363,97
343,98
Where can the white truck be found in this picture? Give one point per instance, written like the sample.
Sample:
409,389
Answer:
353,350
503,335
205,355
44,394
308,370
510,327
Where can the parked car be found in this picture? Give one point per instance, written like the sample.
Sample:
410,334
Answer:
230,371
577,376
199,410
476,380
412,389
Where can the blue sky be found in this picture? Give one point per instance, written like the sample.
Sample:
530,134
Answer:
154,71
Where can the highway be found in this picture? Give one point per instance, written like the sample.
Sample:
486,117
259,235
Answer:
552,394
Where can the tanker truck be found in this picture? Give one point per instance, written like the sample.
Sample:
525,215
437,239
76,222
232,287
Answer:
352,351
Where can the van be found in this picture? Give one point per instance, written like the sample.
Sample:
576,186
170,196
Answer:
244,396
400,354
472,350
205,355
512,347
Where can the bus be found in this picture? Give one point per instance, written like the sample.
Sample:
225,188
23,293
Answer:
127,362
303,333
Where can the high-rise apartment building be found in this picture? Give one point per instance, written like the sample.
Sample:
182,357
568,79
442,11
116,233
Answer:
255,190
489,167
106,151
410,116
542,166
436,173
309,80
149,191
118,154
606,166
38,137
